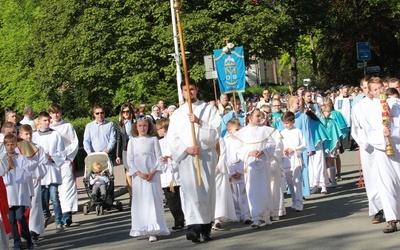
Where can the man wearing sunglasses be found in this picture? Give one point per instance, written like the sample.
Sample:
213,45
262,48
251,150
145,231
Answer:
99,134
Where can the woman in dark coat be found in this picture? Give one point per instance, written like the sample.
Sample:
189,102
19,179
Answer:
123,135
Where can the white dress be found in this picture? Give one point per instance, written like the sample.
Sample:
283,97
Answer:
147,210
224,208
257,170
67,190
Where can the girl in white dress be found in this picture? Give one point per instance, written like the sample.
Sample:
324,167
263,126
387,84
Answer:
255,148
145,162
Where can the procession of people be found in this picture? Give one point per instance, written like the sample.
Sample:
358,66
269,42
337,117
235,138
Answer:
215,163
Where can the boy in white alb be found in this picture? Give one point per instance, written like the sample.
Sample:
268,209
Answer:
35,154
53,146
19,185
236,173
293,146
170,179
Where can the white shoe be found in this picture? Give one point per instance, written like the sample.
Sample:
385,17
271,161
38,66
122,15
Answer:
314,190
268,221
256,224
59,227
275,218
299,208
152,238
324,190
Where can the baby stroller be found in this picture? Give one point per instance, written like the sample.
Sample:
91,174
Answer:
100,205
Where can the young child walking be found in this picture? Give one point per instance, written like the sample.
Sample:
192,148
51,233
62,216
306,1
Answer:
256,148
224,207
332,146
170,179
236,173
145,164
35,154
19,185
99,180
293,146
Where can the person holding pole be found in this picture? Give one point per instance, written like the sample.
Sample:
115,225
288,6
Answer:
198,197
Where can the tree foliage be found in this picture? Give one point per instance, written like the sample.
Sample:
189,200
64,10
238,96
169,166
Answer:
81,53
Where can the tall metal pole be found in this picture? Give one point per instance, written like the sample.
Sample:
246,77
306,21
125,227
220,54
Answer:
176,56
188,98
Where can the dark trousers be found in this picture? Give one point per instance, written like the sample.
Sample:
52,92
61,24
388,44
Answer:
200,228
175,206
16,213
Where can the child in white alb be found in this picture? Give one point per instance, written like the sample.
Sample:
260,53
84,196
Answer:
224,207
236,173
19,185
293,146
255,148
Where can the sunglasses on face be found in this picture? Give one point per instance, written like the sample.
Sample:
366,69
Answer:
125,111
99,113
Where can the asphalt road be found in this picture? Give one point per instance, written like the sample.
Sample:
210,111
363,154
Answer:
337,220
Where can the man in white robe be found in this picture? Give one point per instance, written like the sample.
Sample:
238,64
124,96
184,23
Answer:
198,201
53,146
389,165
370,169
68,190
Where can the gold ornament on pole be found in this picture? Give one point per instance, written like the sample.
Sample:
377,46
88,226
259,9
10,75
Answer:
385,121
185,70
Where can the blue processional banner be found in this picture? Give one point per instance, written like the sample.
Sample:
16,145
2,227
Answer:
230,70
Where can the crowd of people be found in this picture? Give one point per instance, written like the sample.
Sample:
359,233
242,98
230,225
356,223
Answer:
215,162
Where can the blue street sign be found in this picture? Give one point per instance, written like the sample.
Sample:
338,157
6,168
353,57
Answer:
363,51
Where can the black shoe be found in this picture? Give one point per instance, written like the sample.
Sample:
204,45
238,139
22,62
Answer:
177,227
391,227
206,236
193,236
35,236
378,218
68,222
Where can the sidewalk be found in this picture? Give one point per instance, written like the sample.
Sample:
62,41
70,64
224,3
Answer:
119,185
